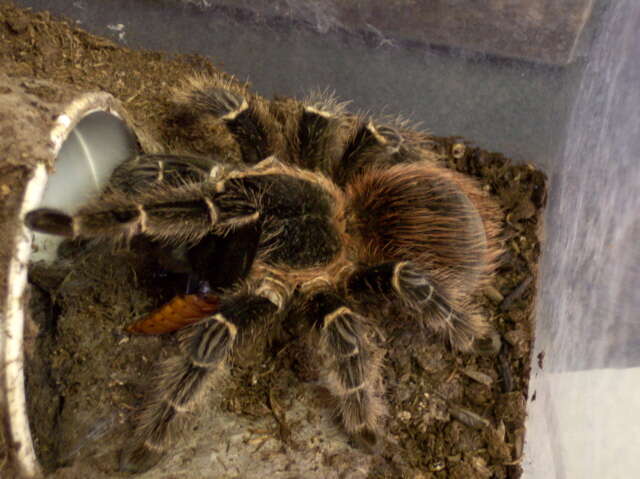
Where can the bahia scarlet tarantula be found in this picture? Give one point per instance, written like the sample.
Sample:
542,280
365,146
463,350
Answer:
326,215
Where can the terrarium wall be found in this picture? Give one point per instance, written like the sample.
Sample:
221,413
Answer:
587,381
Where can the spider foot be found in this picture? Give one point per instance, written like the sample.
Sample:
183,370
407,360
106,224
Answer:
48,220
212,95
368,440
139,459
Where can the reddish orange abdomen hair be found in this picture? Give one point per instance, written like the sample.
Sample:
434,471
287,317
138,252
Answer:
430,215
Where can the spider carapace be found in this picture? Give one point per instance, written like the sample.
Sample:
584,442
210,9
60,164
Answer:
346,222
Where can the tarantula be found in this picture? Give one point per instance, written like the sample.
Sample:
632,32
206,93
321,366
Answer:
330,216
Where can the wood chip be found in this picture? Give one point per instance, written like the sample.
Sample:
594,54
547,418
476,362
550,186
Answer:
518,442
504,368
515,294
493,294
468,417
482,378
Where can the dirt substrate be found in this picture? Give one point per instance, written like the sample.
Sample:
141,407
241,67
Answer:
451,415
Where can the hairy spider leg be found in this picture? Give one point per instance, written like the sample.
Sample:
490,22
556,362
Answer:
246,116
238,246
352,364
345,146
142,172
323,138
170,214
307,134
205,348
410,287
316,133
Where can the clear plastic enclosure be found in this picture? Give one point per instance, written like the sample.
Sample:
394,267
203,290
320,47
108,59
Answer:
555,84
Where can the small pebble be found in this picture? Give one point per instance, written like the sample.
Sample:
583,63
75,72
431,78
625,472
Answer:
437,465
404,416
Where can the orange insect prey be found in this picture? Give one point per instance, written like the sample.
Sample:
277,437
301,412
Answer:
181,311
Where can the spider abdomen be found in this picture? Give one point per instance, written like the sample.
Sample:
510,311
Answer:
429,215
